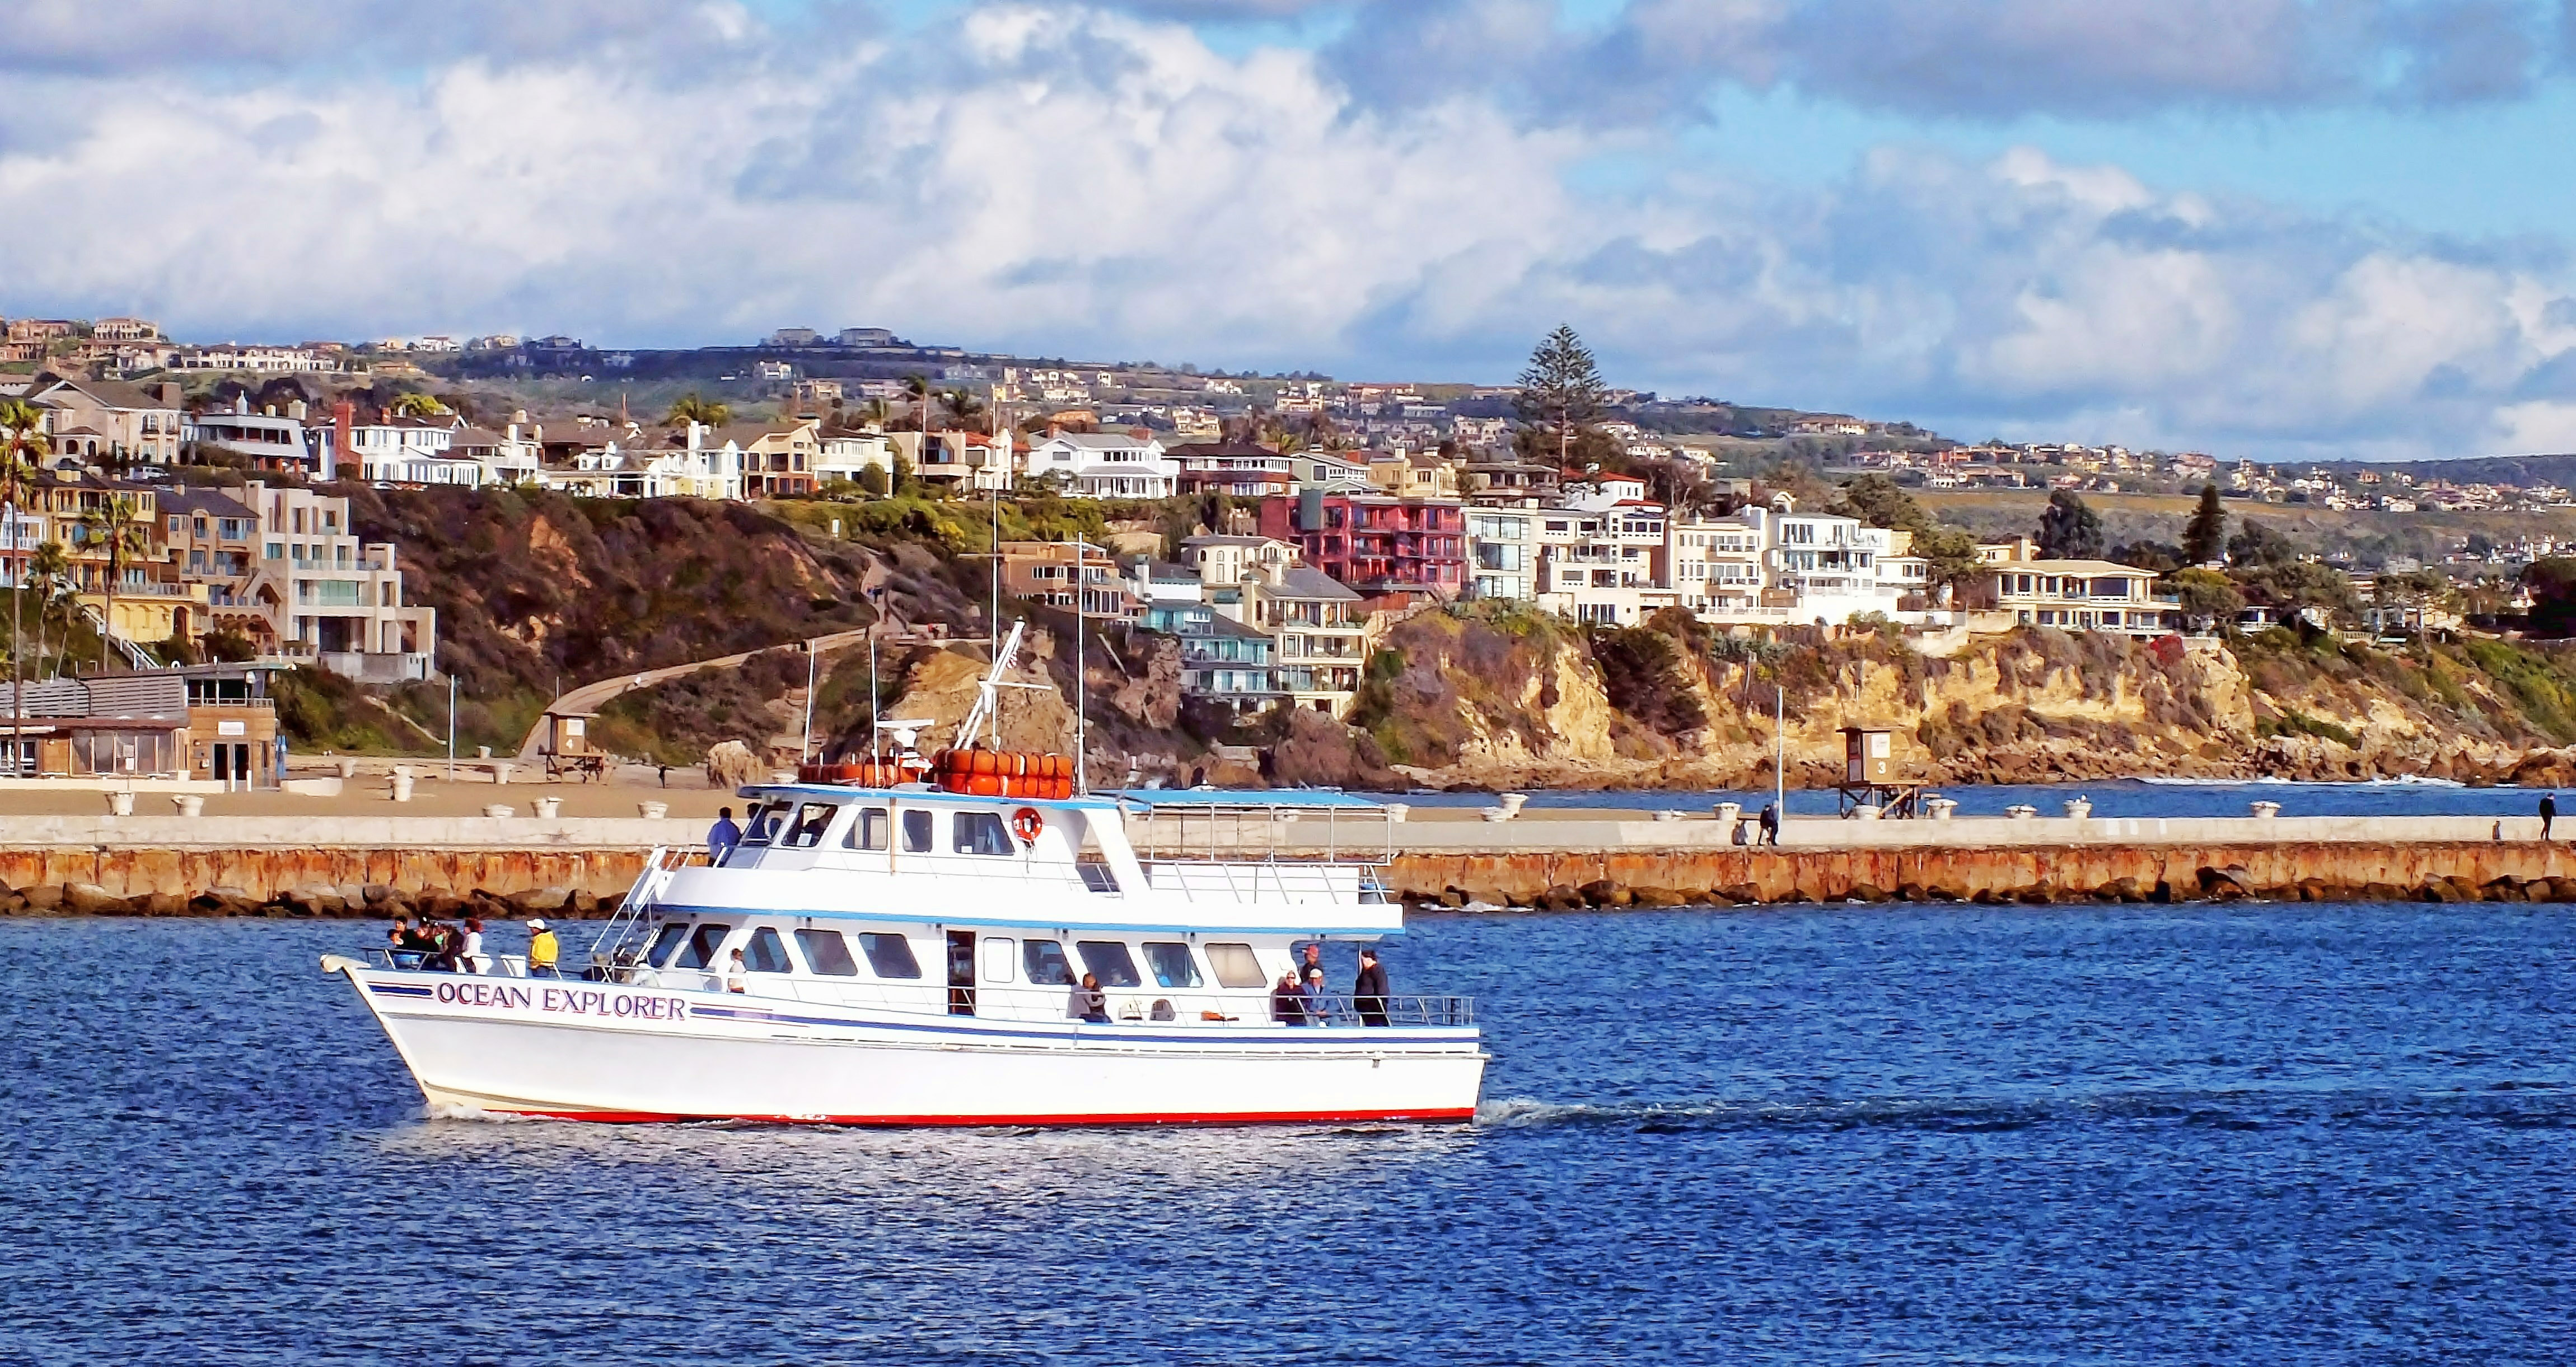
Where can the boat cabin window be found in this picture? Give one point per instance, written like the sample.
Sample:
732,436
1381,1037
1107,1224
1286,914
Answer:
665,941
916,832
806,831
1235,966
1171,964
760,823
997,958
766,953
827,953
1111,961
982,833
868,832
1044,960
703,943
890,955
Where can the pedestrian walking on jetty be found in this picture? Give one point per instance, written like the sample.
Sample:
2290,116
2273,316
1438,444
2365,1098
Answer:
2548,812
1770,823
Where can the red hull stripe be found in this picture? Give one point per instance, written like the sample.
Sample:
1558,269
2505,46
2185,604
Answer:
1178,1118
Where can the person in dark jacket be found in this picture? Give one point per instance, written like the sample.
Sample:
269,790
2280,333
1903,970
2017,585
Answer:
2548,812
1368,990
1288,1001
1770,823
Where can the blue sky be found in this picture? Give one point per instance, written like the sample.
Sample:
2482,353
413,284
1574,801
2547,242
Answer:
2281,228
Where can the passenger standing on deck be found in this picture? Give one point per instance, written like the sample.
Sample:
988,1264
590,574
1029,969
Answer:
2548,812
469,959
541,950
1368,990
1288,1000
737,975
1313,963
723,836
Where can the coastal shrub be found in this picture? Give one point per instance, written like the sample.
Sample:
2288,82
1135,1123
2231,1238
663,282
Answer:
1642,674
2295,723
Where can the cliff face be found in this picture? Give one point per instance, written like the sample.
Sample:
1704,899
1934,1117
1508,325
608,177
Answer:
1487,697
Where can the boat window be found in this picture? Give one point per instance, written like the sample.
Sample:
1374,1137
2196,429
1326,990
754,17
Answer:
1111,961
869,831
890,955
811,821
1235,966
997,958
916,832
665,940
827,953
982,833
766,953
702,945
1044,959
1171,963
760,823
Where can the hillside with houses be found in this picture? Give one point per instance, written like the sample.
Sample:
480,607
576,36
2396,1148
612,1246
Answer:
511,518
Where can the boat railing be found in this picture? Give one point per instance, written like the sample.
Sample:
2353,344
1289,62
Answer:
1153,1005
1284,882
1244,828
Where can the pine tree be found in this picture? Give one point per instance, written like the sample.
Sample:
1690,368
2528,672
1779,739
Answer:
1561,387
2069,530
2205,540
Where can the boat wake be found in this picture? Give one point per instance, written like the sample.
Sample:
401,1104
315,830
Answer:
2526,1105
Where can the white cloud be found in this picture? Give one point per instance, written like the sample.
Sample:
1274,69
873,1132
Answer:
1088,183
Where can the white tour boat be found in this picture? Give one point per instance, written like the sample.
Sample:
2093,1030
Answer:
912,953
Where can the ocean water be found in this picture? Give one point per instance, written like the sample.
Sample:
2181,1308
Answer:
2110,798
2224,1134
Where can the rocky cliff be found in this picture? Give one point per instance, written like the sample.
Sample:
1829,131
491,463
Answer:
1492,696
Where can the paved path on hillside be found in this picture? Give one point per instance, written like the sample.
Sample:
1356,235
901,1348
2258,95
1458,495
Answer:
590,697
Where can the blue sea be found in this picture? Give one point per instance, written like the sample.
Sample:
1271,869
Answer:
1888,1134
2110,798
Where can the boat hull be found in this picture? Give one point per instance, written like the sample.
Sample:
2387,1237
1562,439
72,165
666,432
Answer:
601,1052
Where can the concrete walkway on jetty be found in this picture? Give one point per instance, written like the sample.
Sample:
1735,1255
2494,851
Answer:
1538,858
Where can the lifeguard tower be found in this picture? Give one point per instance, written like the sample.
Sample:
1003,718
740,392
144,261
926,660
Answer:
567,748
1869,776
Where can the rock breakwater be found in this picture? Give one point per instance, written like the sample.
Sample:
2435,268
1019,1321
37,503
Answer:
2314,871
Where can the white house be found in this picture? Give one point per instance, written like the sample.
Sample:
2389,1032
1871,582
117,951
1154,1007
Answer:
1105,465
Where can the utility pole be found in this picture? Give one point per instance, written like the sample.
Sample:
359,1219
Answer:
1081,680
1780,759
805,746
451,726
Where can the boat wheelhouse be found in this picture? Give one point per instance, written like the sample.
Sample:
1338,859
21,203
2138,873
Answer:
913,955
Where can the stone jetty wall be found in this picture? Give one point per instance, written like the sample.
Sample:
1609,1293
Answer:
2458,870
314,882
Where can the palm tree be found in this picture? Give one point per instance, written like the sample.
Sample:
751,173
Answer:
22,421
696,407
49,572
874,415
917,388
963,406
116,524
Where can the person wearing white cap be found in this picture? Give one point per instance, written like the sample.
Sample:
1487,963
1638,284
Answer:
541,950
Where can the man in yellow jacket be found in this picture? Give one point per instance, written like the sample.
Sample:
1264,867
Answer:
541,951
